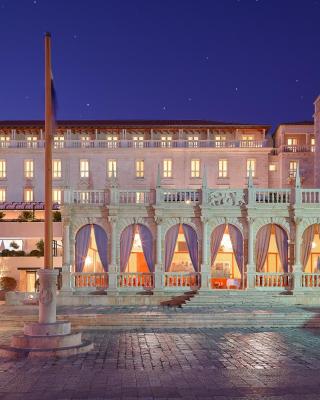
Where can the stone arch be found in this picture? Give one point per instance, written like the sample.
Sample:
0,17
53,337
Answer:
310,247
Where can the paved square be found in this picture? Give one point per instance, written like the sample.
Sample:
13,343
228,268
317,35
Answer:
175,364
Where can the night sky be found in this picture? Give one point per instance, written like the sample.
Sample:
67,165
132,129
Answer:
249,61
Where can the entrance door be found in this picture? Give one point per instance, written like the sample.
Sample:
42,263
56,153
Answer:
31,281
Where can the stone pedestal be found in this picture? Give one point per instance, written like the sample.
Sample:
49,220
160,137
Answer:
113,279
158,278
66,280
205,276
49,337
297,277
251,273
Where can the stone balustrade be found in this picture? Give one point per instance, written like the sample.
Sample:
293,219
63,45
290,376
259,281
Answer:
89,280
143,280
310,280
182,280
275,280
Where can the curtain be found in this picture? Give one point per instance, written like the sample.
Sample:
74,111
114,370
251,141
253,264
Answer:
282,245
147,245
82,245
102,245
126,243
216,238
262,246
192,243
171,240
237,245
307,239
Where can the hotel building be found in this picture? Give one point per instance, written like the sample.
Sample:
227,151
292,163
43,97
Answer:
168,205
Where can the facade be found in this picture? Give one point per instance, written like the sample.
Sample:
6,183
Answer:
167,205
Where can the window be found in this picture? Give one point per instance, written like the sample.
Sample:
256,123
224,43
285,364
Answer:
167,168
223,169
4,141
195,168
139,169
56,196
247,138
166,141
313,144
112,142
193,141
58,142
292,141
272,167
247,141
112,169
3,193
293,169
28,195
85,141
28,169
32,141
140,197
84,197
56,169
251,166
84,169
138,142
221,140
3,169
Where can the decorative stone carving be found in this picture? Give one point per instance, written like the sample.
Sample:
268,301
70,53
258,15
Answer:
304,223
45,296
226,198
281,221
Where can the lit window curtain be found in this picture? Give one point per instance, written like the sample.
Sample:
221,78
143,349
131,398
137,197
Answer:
282,245
170,245
216,239
192,243
82,246
126,243
147,245
262,246
307,239
102,245
237,245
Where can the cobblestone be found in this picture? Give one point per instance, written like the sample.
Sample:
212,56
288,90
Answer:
218,364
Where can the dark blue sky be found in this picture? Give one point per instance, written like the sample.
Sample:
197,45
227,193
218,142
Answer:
230,60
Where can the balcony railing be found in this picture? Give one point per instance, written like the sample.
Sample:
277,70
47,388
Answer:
116,144
181,280
180,196
266,280
84,280
310,196
89,197
135,197
311,281
270,196
136,280
296,148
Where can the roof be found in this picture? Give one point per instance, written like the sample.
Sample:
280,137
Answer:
130,123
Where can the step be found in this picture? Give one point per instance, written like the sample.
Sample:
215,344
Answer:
46,342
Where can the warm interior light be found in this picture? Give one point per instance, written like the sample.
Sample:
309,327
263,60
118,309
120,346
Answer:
188,201
313,245
88,261
226,242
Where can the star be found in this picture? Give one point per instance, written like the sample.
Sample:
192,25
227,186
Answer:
207,58
75,36
164,108
35,2
27,97
297,80
189,98
236,89
88,104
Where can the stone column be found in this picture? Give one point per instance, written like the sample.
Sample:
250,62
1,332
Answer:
158,271
297,267
251,266
205,267
66,265
113,269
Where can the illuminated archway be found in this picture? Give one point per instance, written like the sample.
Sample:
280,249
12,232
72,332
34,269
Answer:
91,244
226,257
272,249
181,249
310,249
136,249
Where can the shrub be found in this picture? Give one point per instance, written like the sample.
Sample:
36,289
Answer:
40,247
35,253
7,283
25,216
56,216
14,245
6,253
2,215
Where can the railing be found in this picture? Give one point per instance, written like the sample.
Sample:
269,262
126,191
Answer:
267,280
179,196
296,148
89,197
135,197
270,196
223,281
310,196
87,280
115,144
135,280
182,280
310,280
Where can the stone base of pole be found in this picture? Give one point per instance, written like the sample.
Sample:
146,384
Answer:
48,337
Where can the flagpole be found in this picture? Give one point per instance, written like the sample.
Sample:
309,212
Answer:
48,264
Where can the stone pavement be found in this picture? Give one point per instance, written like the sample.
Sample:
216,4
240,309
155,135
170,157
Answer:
199,364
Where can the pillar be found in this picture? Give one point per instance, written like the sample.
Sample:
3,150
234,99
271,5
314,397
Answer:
158,271
113,269
205,267
251,267
66,265
297,267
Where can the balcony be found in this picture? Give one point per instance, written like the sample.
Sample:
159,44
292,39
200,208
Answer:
305,148
125,144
